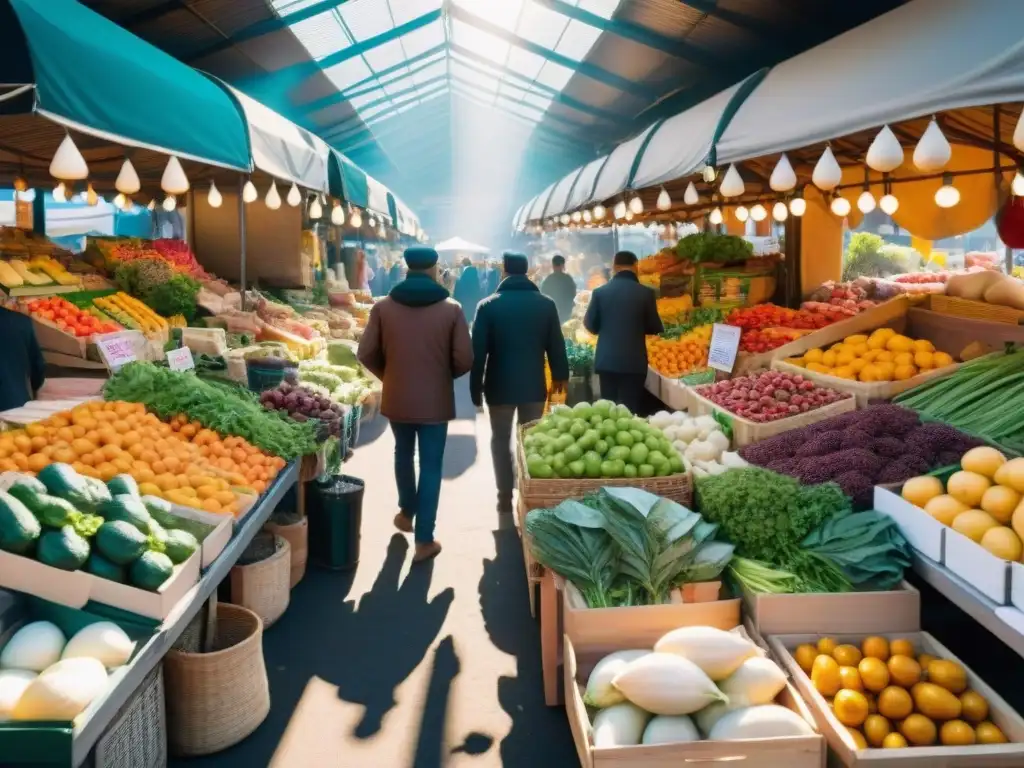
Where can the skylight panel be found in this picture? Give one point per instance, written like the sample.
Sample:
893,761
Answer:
474,76
404,11
422,39
541,25
434,70
348,72
602,8
479,42
526,63
366,18
554,75
538,100
384,56
504,13
358,102
321,35
577,40
284,7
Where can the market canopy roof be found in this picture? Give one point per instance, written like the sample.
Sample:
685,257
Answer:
458,245
923,58
281,148
94,77
406,221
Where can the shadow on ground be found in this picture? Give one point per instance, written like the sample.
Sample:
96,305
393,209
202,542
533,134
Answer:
367,651
504,602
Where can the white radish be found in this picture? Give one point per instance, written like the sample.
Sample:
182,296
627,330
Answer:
665,729
769,721
757,681
666,684
621,725
716,652
600,692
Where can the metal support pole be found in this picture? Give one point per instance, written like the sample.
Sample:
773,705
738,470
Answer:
241,238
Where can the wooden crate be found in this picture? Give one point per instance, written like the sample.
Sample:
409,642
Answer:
745,432
866,392
975,310
841,743
788,752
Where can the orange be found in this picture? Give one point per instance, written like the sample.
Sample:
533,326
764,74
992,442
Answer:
37,461
173,463
165,481
39,442
902,647
106,471
211,505
207,492
111,451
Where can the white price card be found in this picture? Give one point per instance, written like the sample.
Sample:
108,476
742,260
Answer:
180,359
116,350
725,343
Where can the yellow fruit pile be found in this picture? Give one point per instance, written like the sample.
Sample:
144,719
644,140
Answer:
984,501
677,357
674,310
890,697
883,356
129,311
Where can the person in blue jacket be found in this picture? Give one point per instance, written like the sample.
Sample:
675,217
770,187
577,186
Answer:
516,328
621,314
23,371
468,290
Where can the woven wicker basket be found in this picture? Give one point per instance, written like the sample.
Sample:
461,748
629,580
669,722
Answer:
263,586
214,700
137,737
536,493
297,535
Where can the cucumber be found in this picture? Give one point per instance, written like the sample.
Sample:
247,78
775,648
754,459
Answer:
63,549
180,546
19,528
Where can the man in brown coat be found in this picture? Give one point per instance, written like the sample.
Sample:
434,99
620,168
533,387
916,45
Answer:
417,342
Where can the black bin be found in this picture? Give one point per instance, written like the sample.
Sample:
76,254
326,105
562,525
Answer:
335,511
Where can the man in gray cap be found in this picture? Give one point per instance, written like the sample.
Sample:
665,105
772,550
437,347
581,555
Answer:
417,342
515,328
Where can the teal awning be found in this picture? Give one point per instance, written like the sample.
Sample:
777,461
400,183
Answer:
95,77
347,180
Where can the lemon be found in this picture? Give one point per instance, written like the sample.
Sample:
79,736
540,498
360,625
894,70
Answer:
874,674
813,356
989,733
935,701
876,728
826,645
974,707
956,733
903,670
805,655
875,647
949,675
895,703
849,677
847,655
851,707
825,675
858,738
894,741
902,647
918,730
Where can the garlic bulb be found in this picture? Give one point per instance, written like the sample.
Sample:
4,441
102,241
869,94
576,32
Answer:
732,183
827,173
932,152
783,178
885,153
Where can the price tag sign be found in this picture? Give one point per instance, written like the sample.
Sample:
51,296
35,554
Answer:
725,343
116,350
180,359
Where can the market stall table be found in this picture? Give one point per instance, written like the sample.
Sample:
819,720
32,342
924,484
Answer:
183,614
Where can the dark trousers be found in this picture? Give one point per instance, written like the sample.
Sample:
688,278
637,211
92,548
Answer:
502,419
624,389
418,499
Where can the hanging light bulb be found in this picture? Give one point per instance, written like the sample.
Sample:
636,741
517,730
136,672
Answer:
372,221
732,183
564,218
20,184
798,205
380,231
67,163
932,152
174,181
357,219
60,193
866,201
337,214
273,199
827,174
170,203
249,193
577,217
716,217
213,197
294,196
636,205
120,200
152,205
741,213
664,200
587,217
620,210
779,211
1018,184
599,212
783,178
947,195
127,182
91,198
629,215
759,213
885,153
315,211
708,174
690,196
840,206
889,204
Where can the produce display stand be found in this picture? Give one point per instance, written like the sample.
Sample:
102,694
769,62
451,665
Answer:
201,596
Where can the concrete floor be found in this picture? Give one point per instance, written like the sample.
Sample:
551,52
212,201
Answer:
392,666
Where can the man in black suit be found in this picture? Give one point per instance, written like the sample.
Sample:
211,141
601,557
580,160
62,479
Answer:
621,314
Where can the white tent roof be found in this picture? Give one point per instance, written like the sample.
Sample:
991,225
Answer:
584,188
283,149
924,57
458,245
614,177
377,197
558,202
539,204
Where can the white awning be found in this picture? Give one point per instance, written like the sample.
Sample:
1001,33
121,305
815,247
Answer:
377,197
282,149
458,245
581,193
614,177
560,194
923,58
408,223
539,204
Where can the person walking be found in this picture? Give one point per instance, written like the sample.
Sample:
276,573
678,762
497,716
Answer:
515,328
468,290
560,288
23,372
491,278
417,343
621,314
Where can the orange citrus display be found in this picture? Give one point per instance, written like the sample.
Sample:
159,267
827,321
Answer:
179,461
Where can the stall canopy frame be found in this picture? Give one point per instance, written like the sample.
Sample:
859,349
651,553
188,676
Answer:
348,181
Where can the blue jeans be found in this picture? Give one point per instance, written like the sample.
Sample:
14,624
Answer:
418,501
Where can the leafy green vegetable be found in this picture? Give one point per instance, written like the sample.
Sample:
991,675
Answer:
867,546
176,296
708,247
581,358
226,410
761,578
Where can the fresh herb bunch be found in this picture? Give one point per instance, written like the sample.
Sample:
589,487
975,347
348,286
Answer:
694,319
177,296
581,358
709,247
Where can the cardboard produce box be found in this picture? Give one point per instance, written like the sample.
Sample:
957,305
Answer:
213,532
898,610
788,752
925,534
841,743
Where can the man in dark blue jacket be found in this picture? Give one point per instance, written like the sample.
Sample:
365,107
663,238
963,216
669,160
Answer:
621,314
560,288
515,328
23,370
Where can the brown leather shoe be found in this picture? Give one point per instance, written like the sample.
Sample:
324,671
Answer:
426,551
403,523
